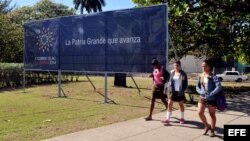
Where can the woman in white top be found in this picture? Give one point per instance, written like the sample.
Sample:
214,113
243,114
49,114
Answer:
176,91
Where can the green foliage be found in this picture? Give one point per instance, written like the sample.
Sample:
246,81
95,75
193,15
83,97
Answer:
11,75
227,27
147,2
42,10
22,15
11,40
213,28
48,9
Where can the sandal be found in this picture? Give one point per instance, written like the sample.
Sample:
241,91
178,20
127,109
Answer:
212,134
206,130
148,118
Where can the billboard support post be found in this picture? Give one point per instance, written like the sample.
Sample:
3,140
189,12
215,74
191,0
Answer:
59,82
167,39
136,85
106,88
91,82
24,73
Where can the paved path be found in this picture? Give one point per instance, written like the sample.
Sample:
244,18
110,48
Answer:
141,130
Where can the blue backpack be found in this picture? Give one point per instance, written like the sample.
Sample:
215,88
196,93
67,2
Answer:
221,101
220,98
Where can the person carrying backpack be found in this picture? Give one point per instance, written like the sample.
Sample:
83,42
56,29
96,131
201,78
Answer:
208,86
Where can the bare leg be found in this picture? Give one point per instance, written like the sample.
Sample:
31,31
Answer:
181,106
152,106
212,110
201,110
165,102
170,105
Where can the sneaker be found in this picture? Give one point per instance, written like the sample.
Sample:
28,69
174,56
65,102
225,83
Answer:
166,122
181,121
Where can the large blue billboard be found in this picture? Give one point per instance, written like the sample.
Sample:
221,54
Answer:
114,41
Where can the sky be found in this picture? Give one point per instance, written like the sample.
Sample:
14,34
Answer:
110,4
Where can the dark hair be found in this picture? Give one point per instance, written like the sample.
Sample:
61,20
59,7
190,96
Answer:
155,62
209,62
178,62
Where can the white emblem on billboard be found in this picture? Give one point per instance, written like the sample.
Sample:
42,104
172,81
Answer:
45,40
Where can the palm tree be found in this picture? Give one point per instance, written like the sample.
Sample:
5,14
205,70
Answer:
89,5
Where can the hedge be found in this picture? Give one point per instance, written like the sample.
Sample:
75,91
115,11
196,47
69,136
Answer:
11,75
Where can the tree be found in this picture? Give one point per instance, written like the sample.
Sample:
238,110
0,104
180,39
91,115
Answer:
180,25
5,6
227,27
89,5
48,9
11,30
11,42
42,10
213,28
22,15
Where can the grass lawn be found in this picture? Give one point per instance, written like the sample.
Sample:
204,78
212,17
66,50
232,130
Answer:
39,114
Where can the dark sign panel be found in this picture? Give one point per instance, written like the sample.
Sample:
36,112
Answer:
41,45
83,42
135,37
115,41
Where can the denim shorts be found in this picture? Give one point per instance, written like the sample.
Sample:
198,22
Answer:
208,102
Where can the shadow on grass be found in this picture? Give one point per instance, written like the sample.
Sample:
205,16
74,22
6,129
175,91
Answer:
131,87
27,86
10,89
111,102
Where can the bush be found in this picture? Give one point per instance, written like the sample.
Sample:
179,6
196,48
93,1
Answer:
11,75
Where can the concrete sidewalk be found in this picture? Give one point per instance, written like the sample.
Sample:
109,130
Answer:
141,130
